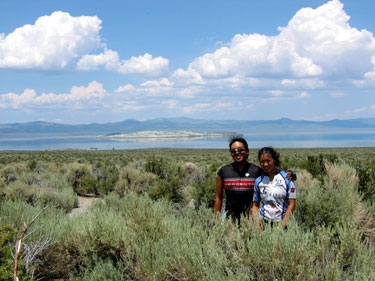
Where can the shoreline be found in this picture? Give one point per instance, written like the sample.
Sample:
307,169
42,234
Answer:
167,135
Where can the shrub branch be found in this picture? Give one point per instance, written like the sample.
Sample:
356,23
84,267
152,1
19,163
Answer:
19,243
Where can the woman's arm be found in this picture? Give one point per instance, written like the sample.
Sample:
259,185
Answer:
255,209
219,195
255,218
289,211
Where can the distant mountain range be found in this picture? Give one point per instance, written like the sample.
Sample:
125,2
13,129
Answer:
185,124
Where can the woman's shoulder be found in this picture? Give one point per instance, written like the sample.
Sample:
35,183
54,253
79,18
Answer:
282,173
261,177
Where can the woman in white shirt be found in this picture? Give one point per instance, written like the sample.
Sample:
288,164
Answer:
275,195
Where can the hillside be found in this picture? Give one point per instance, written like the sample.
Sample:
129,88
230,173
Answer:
183,124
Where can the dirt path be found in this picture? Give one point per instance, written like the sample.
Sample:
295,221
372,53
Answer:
84,204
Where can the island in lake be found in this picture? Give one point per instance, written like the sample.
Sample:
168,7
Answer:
167,135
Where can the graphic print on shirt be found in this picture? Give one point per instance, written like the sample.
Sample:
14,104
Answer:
274,196
239,184
268,194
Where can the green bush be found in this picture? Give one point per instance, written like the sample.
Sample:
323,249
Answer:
107,174
7,238
134,180
366,175
315,165
14,217
330,203
82,179
42,189
102,270
144,228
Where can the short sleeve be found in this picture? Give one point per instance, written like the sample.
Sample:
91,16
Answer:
292,190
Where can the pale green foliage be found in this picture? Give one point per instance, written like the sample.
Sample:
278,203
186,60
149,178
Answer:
127,235
15,212
192,183
134,180
38,186
337,201
305,182
102,270
148,240
81,177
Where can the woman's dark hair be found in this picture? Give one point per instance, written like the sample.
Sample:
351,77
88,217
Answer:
239,139
271,151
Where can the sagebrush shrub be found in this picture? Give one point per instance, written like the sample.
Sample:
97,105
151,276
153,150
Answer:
130,235
134,180
82,178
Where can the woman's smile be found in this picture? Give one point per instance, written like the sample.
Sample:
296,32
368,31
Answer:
267,163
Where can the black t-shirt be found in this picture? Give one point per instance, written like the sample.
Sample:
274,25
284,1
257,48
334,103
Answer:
239,187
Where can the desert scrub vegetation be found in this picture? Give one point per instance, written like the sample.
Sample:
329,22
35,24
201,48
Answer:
155,219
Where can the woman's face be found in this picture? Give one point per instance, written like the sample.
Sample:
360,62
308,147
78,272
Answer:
239,152
267,163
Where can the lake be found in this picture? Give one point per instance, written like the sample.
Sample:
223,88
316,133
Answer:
315,139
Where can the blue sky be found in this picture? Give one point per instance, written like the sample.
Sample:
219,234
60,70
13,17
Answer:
80,62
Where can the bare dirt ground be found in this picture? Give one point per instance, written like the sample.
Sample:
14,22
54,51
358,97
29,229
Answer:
84,204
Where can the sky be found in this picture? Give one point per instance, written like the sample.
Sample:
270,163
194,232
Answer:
90,61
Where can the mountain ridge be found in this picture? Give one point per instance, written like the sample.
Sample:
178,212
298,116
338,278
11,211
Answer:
184,124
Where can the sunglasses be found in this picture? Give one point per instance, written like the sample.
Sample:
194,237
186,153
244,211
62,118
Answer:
239,150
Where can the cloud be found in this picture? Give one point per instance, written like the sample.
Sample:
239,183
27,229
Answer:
325,37
170,104
54,42
78,97
304,95
210,107
337,94
161,87
288,82
145,64
109,58
12,100
60,42
158,83
371,74
317,44
133,106
316,50
128,88
276,93
353,112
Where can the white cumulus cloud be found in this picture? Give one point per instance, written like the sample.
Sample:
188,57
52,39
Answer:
52,42
145,64
78,96
60,41
316,44
318,58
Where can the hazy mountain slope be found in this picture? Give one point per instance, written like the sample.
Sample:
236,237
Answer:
188,124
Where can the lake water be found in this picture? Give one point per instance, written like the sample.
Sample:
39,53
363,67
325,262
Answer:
316,139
